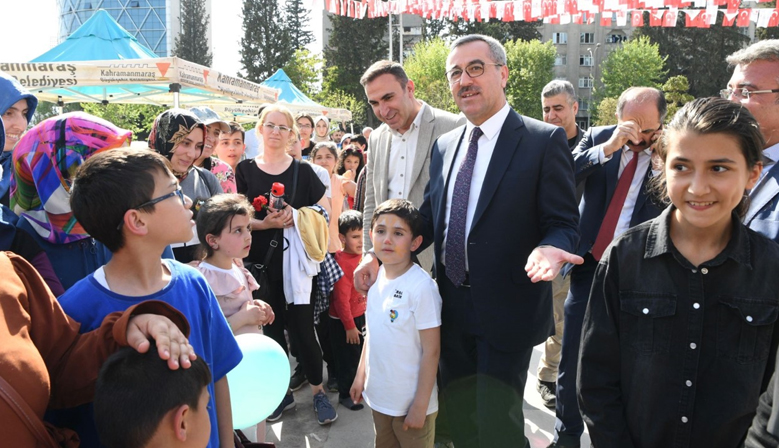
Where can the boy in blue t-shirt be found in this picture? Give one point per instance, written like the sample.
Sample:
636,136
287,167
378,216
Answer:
130,201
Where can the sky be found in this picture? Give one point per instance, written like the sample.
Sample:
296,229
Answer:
32,41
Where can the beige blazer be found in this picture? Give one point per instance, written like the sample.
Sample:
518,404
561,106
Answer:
435,122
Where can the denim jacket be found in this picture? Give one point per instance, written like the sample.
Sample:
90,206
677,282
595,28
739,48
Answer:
675,355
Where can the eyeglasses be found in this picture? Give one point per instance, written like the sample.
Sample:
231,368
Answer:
281,129
304,126
177,192
743,93
474,71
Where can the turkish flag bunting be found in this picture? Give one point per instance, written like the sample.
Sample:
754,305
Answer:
655,17
729,18
733,5
743,17
691,17
669,19
508,12
577,19
605,19
637,18
774,20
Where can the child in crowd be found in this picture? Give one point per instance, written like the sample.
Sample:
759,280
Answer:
397,372
350,164
141,403
231,146
179,135
225,239
680,330
347,308
130,201
325,154
215,127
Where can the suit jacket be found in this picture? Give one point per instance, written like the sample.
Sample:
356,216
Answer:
600,181
434,123
763,213
527,200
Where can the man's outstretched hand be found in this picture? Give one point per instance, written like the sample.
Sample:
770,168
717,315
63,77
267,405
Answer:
544,263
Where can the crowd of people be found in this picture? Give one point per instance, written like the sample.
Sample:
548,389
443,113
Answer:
413,267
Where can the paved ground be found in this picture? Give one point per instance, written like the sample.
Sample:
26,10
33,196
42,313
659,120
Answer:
354,429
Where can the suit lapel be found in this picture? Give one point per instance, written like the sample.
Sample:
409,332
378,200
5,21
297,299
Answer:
642,194
424,139
612,175
383,168
765,192
449,155
509,139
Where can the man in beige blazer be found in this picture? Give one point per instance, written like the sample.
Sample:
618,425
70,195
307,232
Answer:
399,159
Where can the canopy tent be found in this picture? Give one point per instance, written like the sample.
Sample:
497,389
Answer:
289,96
99,38
126,73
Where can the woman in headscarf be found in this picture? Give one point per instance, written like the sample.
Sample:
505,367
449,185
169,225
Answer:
45,161
321,129
179,135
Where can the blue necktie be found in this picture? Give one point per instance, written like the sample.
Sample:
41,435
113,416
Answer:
455,233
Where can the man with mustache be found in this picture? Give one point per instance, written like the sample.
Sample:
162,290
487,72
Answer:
17,106
615,165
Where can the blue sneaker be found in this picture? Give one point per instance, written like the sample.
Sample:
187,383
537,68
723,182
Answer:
325,412
286,404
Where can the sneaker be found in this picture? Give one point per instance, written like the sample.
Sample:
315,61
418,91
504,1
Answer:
286,404
332,384
547,390
297,380
325,412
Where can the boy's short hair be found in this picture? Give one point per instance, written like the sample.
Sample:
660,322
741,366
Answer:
110,183
404,210
359,138
135,391
236,127
348,221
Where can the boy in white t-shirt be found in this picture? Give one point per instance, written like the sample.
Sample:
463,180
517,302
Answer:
397,372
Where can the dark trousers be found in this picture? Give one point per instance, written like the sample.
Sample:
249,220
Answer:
482,386
299,321
348,355
323,334
569,425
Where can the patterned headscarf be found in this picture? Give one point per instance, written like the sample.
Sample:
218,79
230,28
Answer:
169,129
45,162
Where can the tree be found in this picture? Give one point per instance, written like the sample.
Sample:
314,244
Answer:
303,70
697,53
427,68
342,100
265,45
192,43
676,96
605,115
296,18
354,45
531,67
635,63
137,118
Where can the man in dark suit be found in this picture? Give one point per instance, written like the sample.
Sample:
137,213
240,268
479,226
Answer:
559,104
615,165
501,213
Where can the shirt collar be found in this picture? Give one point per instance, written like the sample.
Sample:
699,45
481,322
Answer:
659,242
772,152
414,124
490,128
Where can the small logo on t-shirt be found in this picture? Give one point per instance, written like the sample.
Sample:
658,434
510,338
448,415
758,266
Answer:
398,294
393,315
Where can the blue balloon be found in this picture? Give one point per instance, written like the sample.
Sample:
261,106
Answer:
259,382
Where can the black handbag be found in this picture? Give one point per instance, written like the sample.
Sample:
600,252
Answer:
260,271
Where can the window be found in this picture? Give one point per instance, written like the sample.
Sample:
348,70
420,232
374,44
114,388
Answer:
616,38
587,38
585,83
582,124
560,59
585,60
560,38
584,105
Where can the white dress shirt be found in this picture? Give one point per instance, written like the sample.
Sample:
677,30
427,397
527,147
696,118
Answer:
623,224
491,130
770,156
401,159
